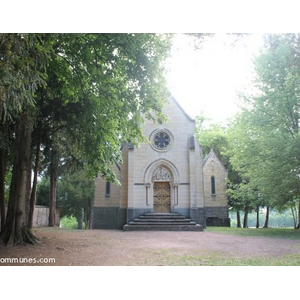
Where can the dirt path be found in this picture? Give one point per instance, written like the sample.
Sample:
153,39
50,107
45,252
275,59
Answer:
118,248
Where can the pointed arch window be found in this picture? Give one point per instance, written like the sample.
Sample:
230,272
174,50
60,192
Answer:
213,185
107,189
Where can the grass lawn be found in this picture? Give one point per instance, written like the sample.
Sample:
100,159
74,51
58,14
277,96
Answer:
282,233
166,257
209,258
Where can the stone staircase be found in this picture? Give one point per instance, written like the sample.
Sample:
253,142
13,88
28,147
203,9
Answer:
162,222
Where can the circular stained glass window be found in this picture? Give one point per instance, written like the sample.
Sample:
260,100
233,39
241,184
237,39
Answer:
161,140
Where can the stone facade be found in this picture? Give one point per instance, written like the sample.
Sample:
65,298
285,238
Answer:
215,191
172,156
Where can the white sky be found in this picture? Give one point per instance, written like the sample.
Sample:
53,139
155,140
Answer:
208,79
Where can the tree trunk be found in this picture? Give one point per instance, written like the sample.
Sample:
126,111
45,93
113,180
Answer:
2,190
79,220
34,184
53,187
257,217
238,219
245,223
90,214
2,179
28,189
294,217
85,217
266,225
298,225
15,230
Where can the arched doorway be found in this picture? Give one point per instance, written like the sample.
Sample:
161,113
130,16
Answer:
161,197
161,179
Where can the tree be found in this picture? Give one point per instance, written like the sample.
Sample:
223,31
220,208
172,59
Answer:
102,84
212,136
6,140
43,188
75,194
244,198
265,138
110,81
22,70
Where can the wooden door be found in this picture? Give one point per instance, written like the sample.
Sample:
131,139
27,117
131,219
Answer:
161,197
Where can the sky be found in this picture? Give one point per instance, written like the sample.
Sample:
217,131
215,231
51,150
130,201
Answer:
208,79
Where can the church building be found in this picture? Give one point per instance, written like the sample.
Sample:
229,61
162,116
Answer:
165,181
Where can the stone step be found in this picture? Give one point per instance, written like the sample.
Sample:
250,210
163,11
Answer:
160,216
196,227
162,223
161,220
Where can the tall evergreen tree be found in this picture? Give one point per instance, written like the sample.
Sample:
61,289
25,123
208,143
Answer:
22,70
91,99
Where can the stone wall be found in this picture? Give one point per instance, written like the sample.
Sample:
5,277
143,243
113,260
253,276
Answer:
41,216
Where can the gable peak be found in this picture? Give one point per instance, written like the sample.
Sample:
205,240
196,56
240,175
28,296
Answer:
172,99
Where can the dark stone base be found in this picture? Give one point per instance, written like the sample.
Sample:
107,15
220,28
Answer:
219,222
116,218
218,212
217,216
109,217
130,214
198,215
183,211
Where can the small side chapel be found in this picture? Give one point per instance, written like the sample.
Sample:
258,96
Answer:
166,177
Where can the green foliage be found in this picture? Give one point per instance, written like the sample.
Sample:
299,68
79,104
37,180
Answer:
23,59
98,89
68,222
75,194
276,220
265,137
212,136
78,98
243,196
88,91
43,187
215,136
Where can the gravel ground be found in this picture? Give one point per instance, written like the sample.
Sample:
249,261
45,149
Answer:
118,248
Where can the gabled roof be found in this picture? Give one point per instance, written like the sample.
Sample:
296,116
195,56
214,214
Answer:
184,112
211,153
